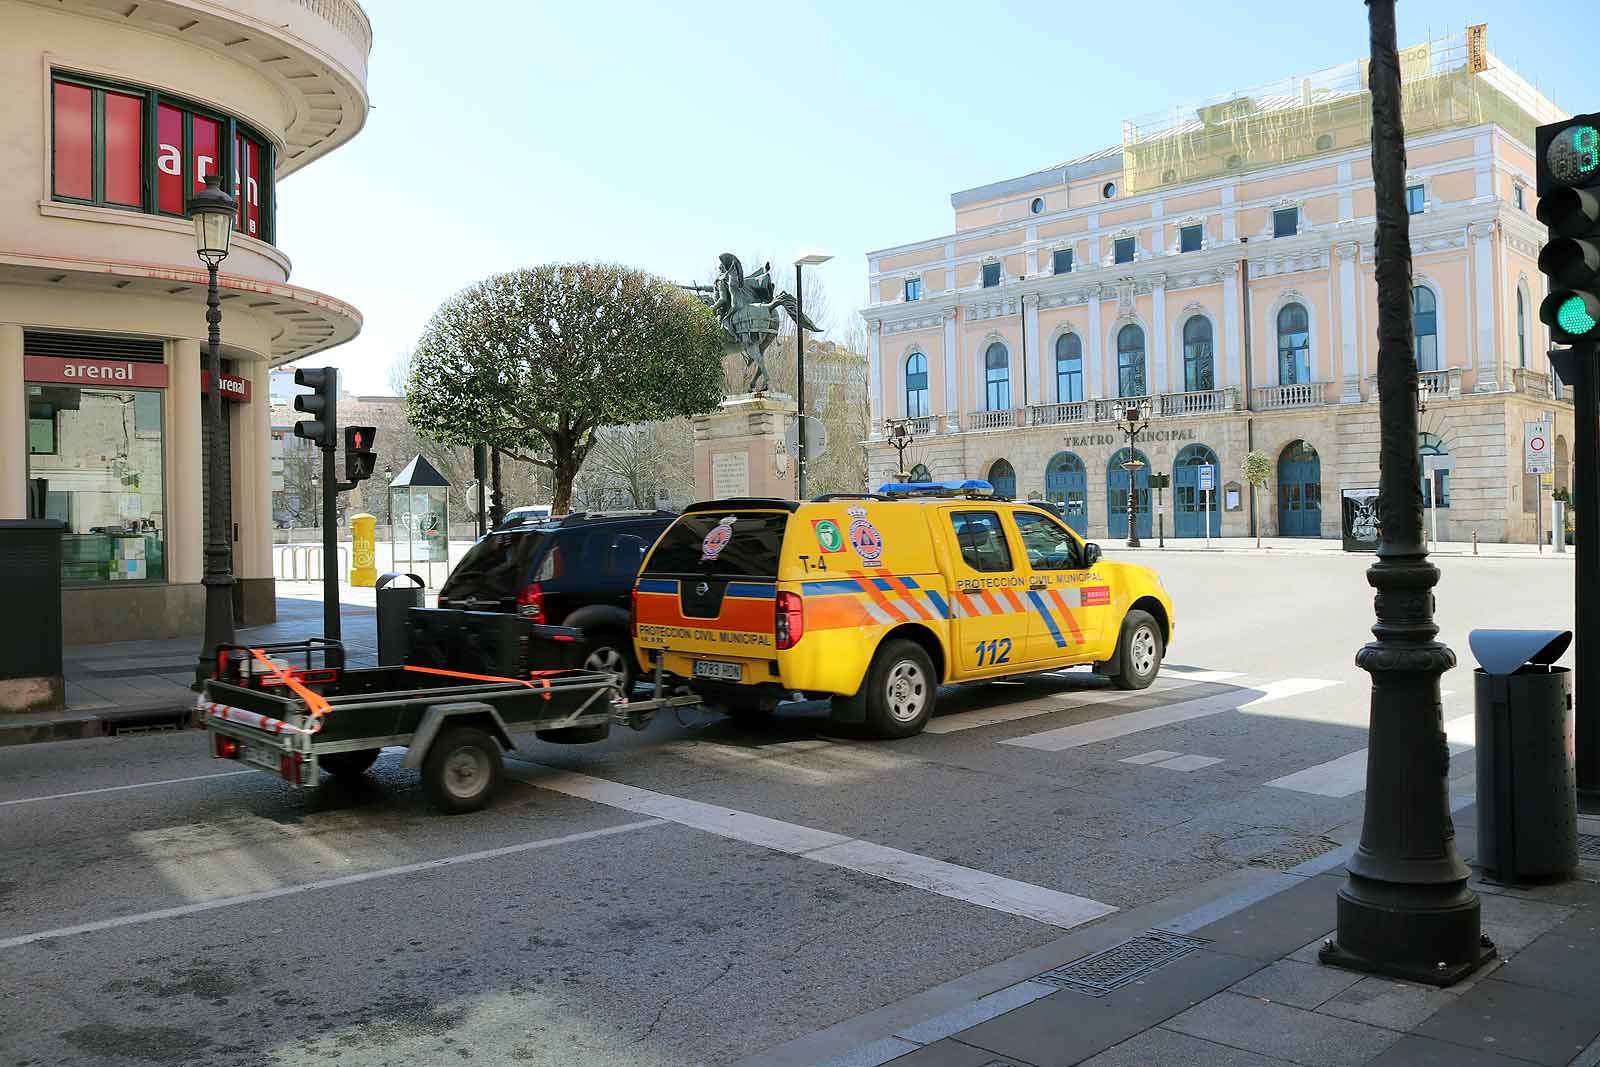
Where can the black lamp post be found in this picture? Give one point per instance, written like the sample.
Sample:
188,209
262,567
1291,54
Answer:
801,262
1405,910
900,439
1132,425
388,496
213,212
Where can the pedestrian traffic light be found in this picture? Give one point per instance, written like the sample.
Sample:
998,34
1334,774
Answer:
321,404
1568,168
358,456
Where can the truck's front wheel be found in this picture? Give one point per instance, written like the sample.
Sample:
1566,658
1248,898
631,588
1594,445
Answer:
461,770
901,686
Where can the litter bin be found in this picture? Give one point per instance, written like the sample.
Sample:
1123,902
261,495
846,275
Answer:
394,604
30,640
1527,782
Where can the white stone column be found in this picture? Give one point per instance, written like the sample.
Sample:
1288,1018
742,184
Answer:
1097,375
1230,332
252,487
1229,219
952,383
1486,356
1159,382
1030,330
1033,251
875,386
14,425
1345,256
185,500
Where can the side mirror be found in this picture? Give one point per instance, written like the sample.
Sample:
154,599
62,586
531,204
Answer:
1091,554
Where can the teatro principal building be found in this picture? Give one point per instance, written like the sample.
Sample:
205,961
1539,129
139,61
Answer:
1214,270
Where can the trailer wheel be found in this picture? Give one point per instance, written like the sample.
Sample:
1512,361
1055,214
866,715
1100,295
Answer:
461,770
349,764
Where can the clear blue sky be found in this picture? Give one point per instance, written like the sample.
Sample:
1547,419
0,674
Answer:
506,133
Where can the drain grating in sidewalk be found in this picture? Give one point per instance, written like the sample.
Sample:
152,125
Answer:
1589,846
1288,857
1100,973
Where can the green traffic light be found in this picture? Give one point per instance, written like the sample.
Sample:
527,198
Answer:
1573,317
1574,154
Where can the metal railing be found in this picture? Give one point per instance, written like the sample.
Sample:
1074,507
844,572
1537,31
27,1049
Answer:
1199,402
1059,414
1298,395
992,420
1110,409
923,425
304,563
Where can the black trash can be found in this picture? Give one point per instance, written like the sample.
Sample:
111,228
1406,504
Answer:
394,604
30,640
1527,781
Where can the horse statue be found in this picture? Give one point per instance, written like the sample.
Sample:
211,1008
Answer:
747,308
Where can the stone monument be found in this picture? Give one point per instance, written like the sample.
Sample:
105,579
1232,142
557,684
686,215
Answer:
740,449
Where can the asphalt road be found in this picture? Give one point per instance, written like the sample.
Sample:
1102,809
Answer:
703,890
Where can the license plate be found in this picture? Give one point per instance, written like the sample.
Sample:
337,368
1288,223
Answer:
260,755
723,672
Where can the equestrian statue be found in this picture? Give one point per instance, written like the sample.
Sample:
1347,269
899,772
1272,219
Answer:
747,308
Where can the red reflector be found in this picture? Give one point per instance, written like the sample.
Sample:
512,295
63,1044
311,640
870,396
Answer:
791,619
289,767
224,747
562,637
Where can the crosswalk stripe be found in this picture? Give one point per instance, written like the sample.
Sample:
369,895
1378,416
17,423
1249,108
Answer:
1087,733
1070,700
1347,775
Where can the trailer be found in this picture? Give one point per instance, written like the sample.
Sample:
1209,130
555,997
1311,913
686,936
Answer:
294,710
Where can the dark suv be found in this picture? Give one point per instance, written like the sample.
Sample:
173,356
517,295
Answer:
577,570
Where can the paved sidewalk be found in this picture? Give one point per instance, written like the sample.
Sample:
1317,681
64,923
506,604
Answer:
1316,546
1237,982
133,686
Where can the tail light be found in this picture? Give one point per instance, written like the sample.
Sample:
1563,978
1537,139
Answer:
224,747
791,619
530,602
289,767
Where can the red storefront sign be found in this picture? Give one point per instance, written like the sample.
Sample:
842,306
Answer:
234,388
114,372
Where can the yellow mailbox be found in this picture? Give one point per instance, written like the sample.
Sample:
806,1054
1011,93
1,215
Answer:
363,546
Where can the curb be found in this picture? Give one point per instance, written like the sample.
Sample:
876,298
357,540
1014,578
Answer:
123,721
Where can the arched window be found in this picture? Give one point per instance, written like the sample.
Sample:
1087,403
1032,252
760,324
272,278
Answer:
1130,361
1436,487
1294,345
1522,330
919,473
1199,370
1003,478
1069,369
1196,512
997,377
916,385
1425,325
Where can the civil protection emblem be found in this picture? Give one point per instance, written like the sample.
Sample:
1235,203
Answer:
864,537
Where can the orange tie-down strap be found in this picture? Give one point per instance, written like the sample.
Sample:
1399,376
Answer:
314,702
538,678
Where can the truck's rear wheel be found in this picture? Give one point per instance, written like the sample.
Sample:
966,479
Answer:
349,764
461,770
901,689
1138,652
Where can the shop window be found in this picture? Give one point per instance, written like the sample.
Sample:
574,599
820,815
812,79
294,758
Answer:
99,152
102,477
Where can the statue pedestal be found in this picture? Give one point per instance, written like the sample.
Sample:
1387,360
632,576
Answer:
740,449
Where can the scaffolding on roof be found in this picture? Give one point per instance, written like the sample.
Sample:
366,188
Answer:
1446,83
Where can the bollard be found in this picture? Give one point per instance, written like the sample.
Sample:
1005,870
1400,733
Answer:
1474,542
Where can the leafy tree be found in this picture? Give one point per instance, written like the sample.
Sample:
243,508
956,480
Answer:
536,361
1257,469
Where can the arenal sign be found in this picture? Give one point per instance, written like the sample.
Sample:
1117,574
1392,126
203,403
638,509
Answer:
127,373
234,388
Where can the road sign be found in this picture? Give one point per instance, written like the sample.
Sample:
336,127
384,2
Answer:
1536,447
1208,477
816,436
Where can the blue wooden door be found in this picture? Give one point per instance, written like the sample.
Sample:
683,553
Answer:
1300,492
1066,482
1117,496
1190,515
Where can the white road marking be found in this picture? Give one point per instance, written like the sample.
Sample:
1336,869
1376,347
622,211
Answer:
1151,757
1189,763
1071,699
326,883
1198,675
1087,733
1347,775
992,891
118,788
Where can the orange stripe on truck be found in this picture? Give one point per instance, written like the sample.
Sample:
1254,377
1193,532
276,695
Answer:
738,613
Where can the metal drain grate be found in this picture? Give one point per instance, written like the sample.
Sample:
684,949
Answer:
1289,857
1118,965
1589,846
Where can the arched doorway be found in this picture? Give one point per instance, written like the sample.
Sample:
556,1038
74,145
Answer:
1562,465
920,473
1299,491
1003,478
1191,516
1066,482
1117,495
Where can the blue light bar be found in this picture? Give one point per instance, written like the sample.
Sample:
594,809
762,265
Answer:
970,487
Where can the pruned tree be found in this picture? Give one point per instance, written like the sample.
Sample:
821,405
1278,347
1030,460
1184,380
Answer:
1257,469
537,361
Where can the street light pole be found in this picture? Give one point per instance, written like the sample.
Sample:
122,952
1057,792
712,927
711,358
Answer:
1404,910
212,210
1133,427
801,262
900,439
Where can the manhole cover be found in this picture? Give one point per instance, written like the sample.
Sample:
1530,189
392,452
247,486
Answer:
1291,856
1118,965
1589,846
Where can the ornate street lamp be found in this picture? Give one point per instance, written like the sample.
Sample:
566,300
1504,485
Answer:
213,212
1133,425
1405,910
900,439
801,262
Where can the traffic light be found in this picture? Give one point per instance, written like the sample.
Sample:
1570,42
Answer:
358,456
322,404
1568,168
